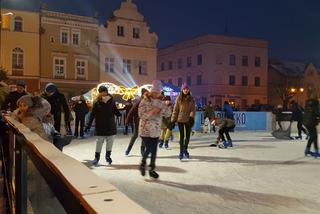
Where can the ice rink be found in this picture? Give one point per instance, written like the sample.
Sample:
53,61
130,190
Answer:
258,175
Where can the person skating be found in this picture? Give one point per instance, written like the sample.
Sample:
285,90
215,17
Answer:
311,114
297,115
133,116
103,112
151,110
208,116
10,101
225,127
184,113
128,123
81,109
166,125
58,102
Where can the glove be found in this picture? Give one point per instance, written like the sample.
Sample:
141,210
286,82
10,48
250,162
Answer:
191,121
172,125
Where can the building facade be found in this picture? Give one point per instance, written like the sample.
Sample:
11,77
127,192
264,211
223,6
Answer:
128,51
19,47
218,68
291,80
69,52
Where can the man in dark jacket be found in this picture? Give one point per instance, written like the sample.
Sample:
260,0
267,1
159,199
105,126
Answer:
311,113
81,109
297,113
103,112
58,102
133,116
10,102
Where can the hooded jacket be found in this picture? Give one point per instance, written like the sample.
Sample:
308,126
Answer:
184,108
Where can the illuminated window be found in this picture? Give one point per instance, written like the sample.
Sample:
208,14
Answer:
81,68
59,67
109,65
17,58
126,66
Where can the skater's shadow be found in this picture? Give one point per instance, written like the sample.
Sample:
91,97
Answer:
238,196
88,163
136,167
215,159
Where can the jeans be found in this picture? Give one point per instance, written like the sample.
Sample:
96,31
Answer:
151,147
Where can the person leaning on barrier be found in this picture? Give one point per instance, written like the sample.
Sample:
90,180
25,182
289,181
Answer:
10,102
33,112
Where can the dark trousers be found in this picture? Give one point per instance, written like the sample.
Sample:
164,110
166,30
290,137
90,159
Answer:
151,147
300,128
184,139
79,120
225,131
313,137
127,128
134,137
57,121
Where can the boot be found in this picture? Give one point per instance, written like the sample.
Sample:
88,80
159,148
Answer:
153,174
96,159
166,144
60,142
142,169
316,154
161,144
229,143
180,156
307,152
224,145
186,154
298,137
108,157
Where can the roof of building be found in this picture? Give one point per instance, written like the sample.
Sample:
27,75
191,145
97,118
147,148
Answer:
291,68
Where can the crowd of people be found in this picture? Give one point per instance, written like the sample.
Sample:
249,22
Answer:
152,117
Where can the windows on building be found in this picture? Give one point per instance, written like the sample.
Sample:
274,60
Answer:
75,38
109,65
59,67
81,68
199,79
18,23
232,60
136,33
244,60
199,59
257,61
64,37
120,30
232,80
142,67
180,81
189,81
170,66
126,68
244,80
179,63
257,81
162,66
17,62
189,61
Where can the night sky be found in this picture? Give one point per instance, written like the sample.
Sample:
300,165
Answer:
292,27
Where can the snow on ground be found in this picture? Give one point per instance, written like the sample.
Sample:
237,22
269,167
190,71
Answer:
258,175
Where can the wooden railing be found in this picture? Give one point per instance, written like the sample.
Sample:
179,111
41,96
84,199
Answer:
40,177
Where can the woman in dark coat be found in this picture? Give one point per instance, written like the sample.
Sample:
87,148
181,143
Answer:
103,112
81,109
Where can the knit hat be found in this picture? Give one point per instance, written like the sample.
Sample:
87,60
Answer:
26,99
50,88
156,86
21,83
184,85
103,89
167,98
